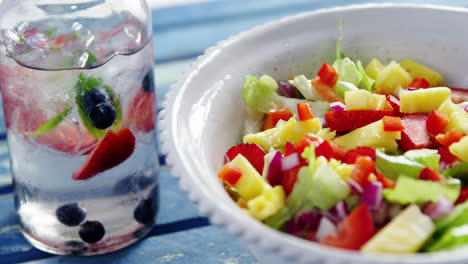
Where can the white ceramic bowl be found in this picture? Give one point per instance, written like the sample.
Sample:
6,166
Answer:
204,112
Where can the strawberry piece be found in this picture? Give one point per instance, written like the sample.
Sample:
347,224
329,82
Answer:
419,83
446,157
348,120
459,95
436,122
392,123
330,149
395,104
463,196
252,152
325,91
450,137
276,115
142,112
429,174
415,135
113,149
353,154
363,168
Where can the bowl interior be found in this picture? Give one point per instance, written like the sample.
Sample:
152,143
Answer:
206,113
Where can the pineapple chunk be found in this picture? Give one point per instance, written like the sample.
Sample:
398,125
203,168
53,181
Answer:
373,68
371,135
267,204
342,169
291,131
364,100
406,233
458,118
423,100
251,183
460,148
391,78
417,70
325,134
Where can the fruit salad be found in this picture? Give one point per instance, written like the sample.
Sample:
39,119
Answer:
369,157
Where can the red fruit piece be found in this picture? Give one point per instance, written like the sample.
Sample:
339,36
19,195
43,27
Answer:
395,104
252,152
459,95
429,174
276,115
330,149
419,83
348,120
446,156
289,179
463,196
363,168
451,137
114,148
436,122
353,154
392,123
142,112
415,135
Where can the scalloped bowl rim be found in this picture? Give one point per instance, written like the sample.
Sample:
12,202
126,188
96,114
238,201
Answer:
252,233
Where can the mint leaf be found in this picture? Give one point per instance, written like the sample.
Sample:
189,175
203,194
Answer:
52,123
50,32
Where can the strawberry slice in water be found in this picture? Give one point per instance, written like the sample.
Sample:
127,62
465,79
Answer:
114,148
252,152
142,112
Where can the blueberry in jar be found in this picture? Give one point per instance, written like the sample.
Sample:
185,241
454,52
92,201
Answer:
99,106
148,82
91,231
70,214
144,212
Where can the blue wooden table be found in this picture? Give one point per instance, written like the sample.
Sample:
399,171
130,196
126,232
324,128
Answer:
181,234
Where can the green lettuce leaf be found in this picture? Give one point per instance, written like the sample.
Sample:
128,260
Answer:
260,94
459,171
367,81
304,86
409,190
347,71
342,87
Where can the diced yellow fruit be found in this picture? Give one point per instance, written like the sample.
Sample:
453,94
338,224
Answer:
373,68
458,118
406,233
292,131
342,169
391,78
325,134
251,183
372,135
267,204
364,100
372,177
417,70
423,100
319,161
460,148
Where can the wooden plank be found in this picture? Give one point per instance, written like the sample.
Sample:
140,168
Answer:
207,245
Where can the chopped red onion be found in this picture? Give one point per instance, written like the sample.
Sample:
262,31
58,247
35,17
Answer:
274,175
287,89
337,106
290,161
464,106
380,215
340,210
326,228
394,210
439,209
303,222
355,186
372,194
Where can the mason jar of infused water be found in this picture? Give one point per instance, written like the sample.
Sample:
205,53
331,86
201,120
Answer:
79,104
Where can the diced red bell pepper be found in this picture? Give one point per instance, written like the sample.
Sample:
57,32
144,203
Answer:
429,174
306,141
230,173
325,91
463,196
330,149
392,123
354,231
436,122
252,152
348,120
363,168
328,74
289,179
414,134
446,156
353,154
304,111
289,148
450,137
276,115
419,83
386,182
